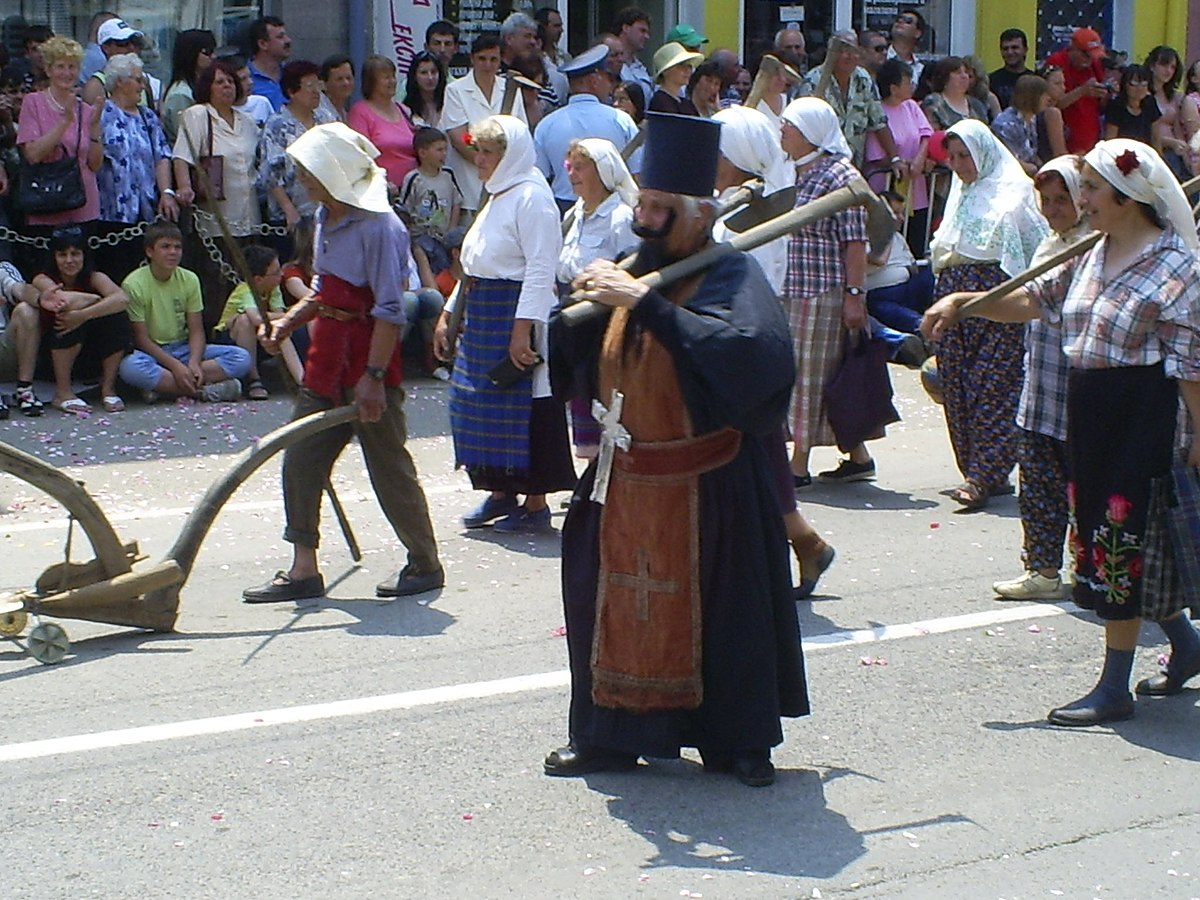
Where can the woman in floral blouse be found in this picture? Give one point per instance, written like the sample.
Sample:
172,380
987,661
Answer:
135,177
287,201
1130,314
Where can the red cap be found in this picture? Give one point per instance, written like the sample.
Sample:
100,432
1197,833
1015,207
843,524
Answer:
1088,40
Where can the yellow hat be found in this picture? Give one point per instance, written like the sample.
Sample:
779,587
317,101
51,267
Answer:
343,161
672,54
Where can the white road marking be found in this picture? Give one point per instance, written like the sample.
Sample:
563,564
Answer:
457,693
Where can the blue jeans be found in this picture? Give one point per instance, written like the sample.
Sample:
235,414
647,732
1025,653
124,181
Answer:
142,371
900,306
421,305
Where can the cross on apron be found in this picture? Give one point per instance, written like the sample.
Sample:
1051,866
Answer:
613,436
642,584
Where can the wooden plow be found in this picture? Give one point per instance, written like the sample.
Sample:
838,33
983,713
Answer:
114,588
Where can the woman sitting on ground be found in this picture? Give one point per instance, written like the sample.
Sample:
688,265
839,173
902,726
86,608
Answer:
81,308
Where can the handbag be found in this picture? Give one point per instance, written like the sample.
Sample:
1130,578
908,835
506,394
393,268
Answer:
209,185
57,186
858,399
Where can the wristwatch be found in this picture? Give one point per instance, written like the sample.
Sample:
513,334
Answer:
375,372
855,291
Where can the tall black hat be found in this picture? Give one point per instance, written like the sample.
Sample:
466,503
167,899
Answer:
681,154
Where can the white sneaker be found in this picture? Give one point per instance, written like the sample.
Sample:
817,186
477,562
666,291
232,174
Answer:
1030,586
221,392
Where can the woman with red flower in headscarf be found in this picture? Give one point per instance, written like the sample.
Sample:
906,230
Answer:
1130,314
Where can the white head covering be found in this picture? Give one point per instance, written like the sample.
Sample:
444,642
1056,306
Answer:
750,141
614,174
341,159
1067,168
995,218
816,120
519,162
1137,171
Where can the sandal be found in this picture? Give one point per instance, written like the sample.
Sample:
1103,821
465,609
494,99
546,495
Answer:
113,404
971,496
256,391
73,406
27,402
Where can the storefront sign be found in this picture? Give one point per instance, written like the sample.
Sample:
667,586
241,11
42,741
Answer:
400,29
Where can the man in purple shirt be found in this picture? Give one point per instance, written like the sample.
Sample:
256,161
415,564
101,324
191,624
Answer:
361,252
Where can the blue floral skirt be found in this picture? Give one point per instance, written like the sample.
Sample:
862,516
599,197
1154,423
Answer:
1120,437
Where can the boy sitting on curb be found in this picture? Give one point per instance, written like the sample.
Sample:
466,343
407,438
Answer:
171,356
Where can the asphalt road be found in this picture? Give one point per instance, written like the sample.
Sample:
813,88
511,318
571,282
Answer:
357,748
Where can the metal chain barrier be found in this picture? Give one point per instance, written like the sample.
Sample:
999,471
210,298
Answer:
135,232
113,238
7,234
211,227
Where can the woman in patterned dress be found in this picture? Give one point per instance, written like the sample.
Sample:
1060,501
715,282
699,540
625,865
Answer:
989,232
1130,314
1042,415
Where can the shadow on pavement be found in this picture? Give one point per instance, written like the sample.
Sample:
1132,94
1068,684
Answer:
697,820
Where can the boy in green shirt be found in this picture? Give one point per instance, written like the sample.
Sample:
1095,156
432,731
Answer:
240,320
171,356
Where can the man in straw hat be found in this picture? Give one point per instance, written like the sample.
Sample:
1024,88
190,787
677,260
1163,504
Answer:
681,627
360,259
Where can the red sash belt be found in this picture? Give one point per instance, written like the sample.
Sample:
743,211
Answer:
341,339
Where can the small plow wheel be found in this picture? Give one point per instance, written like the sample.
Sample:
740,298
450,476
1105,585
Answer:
48,643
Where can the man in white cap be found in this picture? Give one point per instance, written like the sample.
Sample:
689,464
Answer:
360,257
586,115
114,36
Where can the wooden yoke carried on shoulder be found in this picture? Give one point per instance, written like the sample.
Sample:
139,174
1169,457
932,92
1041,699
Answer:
857,193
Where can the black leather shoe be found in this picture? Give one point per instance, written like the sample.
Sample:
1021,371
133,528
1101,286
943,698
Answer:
1077,715
1167,684
754,771
407,582
571,761
283,588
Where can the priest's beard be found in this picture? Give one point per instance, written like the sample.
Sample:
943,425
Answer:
653,253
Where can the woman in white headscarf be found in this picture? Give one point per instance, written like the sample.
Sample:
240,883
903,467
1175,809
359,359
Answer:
825,297
825,286
989,232
1042,413
510,437
750,149
1130,315
601,222
599,226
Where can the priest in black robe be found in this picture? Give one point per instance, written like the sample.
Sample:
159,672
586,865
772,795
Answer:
681,625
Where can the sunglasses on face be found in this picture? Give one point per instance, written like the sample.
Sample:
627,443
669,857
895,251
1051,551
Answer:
907,20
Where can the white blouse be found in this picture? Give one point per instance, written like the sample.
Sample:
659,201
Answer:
238,144
517,236
604,234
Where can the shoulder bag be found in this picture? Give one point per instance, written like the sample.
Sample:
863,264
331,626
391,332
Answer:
208,175
53,187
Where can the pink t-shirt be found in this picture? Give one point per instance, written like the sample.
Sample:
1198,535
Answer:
394,139
909,126
39,117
